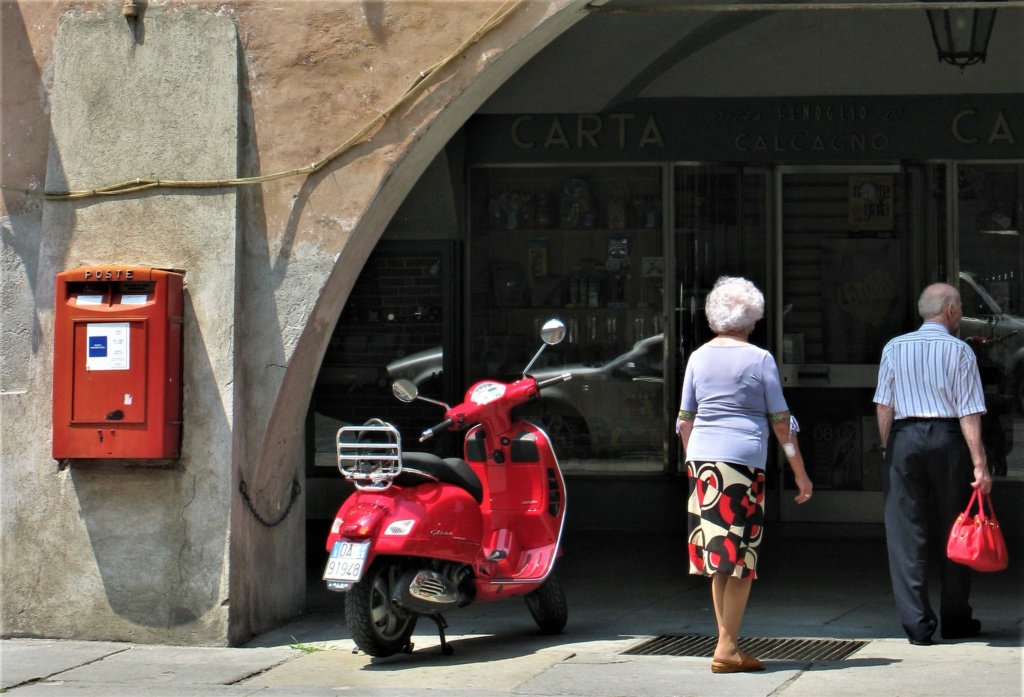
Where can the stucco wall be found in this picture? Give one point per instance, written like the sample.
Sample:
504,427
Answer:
148,545
174,555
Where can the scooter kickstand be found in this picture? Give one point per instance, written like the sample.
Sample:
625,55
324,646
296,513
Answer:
446,648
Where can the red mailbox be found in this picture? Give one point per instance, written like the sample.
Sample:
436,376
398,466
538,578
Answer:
117,363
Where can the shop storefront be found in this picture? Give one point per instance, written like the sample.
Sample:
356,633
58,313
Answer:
436,184
840,209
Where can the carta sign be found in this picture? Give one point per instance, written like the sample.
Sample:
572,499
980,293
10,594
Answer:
618,130
760,130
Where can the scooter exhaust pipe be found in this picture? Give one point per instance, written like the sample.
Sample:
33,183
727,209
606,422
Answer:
426,592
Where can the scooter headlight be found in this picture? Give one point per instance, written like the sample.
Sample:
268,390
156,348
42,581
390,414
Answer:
399,528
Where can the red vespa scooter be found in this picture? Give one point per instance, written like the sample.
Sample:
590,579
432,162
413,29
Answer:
422,535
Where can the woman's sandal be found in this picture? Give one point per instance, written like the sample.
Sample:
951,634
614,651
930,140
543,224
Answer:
748,664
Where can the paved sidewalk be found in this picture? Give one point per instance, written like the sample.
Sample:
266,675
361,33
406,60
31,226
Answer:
621,591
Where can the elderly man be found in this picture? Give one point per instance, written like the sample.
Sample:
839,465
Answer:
929,404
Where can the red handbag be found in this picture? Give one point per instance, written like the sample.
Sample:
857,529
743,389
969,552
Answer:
976,540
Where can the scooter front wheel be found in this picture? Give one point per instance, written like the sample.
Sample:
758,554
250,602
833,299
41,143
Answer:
378,626
548,607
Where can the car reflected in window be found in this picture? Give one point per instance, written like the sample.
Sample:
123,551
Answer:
611,410
608,411
997,338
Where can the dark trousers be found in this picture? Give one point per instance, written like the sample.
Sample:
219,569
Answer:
926,484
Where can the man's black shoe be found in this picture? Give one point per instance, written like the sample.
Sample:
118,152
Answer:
921,642
961,630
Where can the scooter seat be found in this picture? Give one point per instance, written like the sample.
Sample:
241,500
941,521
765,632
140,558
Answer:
418,468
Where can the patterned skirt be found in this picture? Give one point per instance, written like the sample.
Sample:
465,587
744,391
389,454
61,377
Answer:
725,513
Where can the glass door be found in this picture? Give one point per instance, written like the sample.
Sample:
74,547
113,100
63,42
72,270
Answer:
843,290
721,229
721,222
990,260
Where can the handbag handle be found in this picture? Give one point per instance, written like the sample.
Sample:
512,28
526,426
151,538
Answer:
982,499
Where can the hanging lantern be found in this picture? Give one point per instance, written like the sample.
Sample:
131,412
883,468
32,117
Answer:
961,34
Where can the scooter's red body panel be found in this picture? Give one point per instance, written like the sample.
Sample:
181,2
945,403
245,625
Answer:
520,519
446,522
524,508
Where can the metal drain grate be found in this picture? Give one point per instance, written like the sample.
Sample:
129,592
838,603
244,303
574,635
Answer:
764,648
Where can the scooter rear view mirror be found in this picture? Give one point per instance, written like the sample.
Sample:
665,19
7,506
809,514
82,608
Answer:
405,390
553,332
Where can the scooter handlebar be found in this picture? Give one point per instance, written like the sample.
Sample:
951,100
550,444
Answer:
431,432
449,422
564,377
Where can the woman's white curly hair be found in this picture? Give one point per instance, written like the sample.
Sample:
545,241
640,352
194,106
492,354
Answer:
734,305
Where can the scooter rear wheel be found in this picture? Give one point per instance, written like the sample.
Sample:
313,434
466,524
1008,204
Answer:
378,626
548,607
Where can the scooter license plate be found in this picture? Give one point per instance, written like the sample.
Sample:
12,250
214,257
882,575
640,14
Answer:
347,561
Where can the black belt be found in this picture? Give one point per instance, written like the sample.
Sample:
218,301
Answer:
927,419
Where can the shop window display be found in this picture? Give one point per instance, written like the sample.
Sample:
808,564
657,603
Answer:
584,245
990,210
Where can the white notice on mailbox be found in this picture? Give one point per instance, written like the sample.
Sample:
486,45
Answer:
106,346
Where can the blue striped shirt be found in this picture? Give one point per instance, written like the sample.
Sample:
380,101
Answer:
929,373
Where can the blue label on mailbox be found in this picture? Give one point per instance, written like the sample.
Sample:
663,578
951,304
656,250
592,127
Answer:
97,347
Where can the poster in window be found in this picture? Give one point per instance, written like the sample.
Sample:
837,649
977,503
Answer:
862,298
871,202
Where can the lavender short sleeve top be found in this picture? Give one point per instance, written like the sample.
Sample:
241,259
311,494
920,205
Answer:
732,390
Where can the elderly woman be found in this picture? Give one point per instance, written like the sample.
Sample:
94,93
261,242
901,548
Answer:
731,394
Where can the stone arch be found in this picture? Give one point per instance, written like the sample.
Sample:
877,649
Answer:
409,143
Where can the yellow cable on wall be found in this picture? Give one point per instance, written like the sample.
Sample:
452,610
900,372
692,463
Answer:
365,133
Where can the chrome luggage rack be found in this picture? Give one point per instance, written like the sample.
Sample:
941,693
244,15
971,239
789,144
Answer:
370,456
